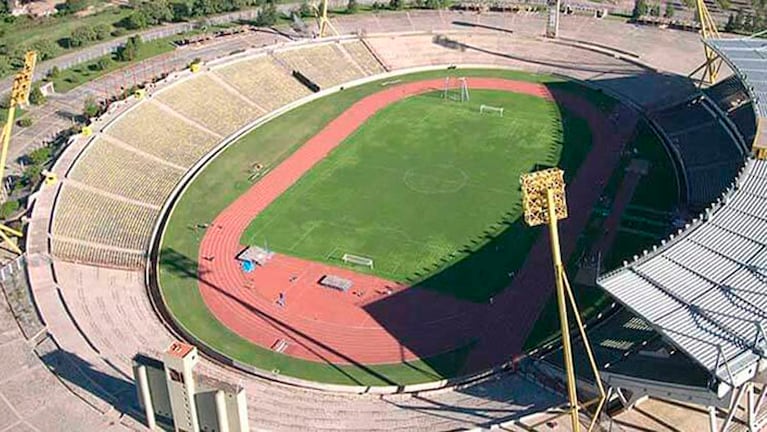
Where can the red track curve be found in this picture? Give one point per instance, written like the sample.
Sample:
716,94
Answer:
370,326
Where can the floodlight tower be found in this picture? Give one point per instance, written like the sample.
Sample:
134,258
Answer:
19,96
543,200
708,30
552,23
321,11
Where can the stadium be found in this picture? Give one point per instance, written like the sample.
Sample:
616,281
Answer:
336,225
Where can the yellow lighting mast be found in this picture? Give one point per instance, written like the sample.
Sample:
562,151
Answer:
19,96
321,11
543,201
709,70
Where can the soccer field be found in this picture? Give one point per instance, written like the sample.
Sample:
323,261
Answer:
420,186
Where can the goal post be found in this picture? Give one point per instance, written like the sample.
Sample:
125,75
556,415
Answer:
358,260
491,109
453,84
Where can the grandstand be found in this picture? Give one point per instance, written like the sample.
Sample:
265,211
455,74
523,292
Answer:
204,101
327,65
105,217
172,139
253,77
114,168
709,153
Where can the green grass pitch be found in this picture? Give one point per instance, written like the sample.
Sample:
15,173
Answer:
420,186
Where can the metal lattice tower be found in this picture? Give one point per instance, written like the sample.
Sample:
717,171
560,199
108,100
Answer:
323,23
709,70
543,201
22,83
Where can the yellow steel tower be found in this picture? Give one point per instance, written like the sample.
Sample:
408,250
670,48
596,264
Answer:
321,11
543,200
19,96
709,70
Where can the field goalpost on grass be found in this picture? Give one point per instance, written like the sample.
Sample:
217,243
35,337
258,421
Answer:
490,109
462,86
358,260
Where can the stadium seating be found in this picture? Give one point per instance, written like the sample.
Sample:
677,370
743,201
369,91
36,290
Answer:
362,56
326,65
709,154
171,139
264,82
114,169
728,93
109,221
78,252
205,101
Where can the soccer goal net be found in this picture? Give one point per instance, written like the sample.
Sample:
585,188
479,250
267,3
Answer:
491,109
358,260
456,89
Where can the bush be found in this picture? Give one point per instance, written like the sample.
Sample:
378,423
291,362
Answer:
54,72
81,36
104,63
669,10
72,6
135,21
101,31
118,32
305,11
36,96
40,156
396,4
90,108
352,6
8,208
45,49
25,122
640,9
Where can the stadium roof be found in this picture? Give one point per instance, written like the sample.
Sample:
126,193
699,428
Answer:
706,290
748,58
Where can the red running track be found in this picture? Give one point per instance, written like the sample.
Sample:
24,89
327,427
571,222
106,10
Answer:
380,321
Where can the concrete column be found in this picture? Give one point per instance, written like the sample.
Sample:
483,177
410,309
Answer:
712,422
221,415
242,412
146,397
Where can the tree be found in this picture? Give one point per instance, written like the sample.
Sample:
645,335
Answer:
640,9
730,26
36,96
669,13
25,122
156,11
73,6
352,7
655,10
135,21
130,50
267,16
90,108
81,36
396,4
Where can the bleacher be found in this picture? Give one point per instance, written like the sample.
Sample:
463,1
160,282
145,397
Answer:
728,93
116,170
206,102
709,153
363,57
92,217
326,64
264,82
171,139
78,252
